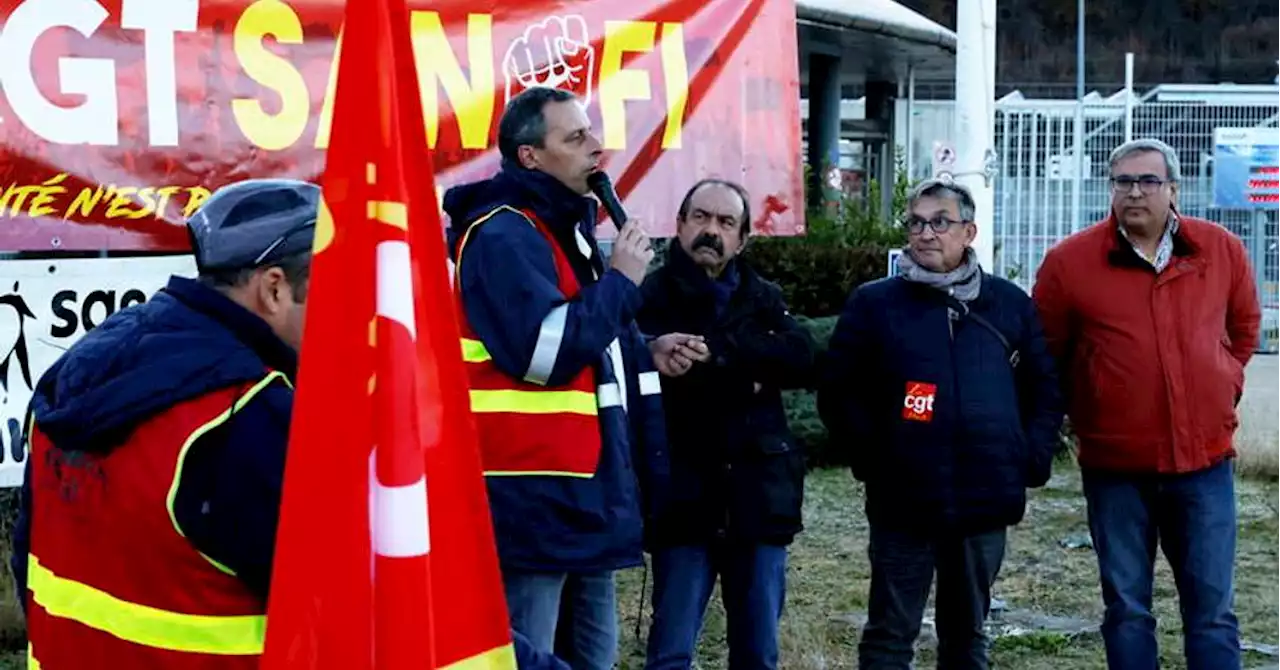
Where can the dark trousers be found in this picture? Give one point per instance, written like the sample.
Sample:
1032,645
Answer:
1193,517
752,586
902,568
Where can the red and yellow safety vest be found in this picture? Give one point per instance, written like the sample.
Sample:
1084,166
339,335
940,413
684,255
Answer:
524,426
111,580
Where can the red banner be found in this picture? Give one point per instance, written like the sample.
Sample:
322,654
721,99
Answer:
119,117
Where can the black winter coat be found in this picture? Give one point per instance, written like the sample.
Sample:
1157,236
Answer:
737,472
946,433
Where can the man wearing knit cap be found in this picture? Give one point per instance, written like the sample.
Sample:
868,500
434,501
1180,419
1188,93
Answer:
152,492
157,448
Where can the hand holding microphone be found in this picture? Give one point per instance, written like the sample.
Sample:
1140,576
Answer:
631,249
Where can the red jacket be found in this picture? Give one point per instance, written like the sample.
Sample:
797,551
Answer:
1153,364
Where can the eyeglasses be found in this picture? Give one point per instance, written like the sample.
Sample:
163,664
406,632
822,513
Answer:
281,240
1147,183
940,224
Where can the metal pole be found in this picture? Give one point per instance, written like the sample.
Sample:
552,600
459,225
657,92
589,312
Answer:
1128,96
910,121
1076,184
974,120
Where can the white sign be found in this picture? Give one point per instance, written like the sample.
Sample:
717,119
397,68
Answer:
892,269
1062,167
944,158
45,306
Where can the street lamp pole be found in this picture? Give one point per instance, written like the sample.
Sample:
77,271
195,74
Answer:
1077,183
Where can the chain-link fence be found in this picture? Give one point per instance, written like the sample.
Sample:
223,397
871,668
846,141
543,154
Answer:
1034,193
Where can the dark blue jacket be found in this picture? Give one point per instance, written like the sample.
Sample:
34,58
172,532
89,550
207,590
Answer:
187,341
508,286
994,427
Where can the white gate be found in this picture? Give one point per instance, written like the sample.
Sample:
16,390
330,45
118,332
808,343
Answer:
1034,192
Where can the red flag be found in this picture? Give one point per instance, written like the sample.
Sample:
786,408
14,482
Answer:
385,555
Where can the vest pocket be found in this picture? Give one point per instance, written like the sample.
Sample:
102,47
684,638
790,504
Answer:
776,470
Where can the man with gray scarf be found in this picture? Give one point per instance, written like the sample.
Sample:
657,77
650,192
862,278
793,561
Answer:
939,391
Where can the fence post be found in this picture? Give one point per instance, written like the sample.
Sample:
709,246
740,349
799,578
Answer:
1128,96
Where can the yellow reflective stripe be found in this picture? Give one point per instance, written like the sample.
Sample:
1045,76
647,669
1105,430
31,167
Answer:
537,473
473,351
143,625
499,658
533,402
462,244
32,663
200,432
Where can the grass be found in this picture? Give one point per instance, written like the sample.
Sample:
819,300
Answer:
829,576
828,579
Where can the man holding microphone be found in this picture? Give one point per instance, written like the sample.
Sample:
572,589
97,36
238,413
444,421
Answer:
563,389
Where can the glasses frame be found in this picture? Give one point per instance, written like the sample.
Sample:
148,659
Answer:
915,225
1147,184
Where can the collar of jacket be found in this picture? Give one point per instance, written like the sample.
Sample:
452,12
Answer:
693,279
247,327
553,202
1122,253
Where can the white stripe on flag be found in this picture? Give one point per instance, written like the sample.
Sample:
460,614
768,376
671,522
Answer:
400,528
395,285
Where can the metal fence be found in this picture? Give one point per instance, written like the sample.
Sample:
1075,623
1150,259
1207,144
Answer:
1035,140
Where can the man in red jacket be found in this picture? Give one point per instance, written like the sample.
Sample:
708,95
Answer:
1153,316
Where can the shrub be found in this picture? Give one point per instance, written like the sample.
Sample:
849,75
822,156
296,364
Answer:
816,279
802,409
840,250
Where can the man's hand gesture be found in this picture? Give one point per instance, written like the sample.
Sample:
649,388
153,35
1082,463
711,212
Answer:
675,353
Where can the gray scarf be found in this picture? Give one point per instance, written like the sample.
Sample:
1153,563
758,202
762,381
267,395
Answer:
962,283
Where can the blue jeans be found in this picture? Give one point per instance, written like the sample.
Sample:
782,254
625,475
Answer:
1193,517
573,615
752,586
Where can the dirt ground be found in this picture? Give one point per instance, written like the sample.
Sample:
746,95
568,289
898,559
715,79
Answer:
1258,439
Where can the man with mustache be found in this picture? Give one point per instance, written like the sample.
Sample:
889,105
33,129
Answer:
726,347
1153,316
563,390
939,388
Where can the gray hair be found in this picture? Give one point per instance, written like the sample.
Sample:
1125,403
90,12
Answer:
947,190
523,122
1172,166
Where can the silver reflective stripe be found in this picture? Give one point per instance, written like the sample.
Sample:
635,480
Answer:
548,348
619,370
584,247
607,396
650,384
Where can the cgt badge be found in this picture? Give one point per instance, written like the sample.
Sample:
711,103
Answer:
918,404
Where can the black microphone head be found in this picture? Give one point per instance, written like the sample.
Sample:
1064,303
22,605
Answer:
598,182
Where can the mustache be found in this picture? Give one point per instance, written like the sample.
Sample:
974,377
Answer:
710,242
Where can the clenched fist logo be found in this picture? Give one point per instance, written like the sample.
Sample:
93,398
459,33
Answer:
555,53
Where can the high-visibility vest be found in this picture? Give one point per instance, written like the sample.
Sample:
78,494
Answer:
526,427
111,580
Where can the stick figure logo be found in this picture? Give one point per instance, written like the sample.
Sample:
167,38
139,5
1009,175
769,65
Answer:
14,313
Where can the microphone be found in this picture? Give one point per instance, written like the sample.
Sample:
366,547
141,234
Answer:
602,187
